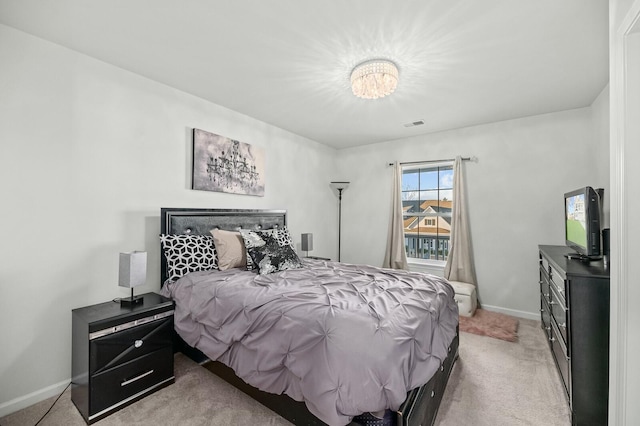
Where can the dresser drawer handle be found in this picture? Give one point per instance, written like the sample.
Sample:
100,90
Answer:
128,382
564,325
138,343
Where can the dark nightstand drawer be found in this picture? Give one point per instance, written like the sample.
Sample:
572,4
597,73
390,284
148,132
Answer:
132,379
120,354
117,348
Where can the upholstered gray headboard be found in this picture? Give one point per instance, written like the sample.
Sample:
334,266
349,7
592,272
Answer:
201,221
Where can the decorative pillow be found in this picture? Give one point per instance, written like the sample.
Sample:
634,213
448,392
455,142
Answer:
271,250
229,249
188,253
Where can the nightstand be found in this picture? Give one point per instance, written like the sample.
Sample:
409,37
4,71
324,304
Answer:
120,354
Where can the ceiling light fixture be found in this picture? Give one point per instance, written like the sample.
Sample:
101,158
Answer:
374,79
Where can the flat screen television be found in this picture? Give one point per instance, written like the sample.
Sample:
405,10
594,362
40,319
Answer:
582,222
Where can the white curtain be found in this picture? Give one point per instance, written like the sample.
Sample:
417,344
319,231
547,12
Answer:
395,256
460,265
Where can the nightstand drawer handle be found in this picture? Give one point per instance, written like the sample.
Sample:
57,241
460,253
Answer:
138,343
127,382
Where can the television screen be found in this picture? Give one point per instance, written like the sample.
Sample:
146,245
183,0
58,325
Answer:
576,220
582,221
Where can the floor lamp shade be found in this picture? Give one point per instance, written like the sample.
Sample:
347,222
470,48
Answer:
307,242
133,272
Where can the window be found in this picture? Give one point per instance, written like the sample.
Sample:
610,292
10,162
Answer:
427,200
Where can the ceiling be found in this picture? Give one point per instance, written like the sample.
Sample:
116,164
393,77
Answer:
287,62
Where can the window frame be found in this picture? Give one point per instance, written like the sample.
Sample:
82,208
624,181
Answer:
422,215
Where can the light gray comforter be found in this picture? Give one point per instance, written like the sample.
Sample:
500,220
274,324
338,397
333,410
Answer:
346,339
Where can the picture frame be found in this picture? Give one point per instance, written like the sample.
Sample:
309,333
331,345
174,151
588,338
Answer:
222,164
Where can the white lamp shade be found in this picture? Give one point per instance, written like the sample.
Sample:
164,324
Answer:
133,269
307,242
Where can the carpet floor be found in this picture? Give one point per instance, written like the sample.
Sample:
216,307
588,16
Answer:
494,382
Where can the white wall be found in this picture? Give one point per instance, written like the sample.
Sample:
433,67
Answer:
89,155
515,195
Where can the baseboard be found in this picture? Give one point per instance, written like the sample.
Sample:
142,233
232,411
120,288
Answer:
513,312
21,402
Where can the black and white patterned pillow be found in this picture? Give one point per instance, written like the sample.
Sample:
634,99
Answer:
283,236
188,253
271,250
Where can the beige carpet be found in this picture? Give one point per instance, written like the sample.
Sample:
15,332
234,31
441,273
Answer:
494,382
497,383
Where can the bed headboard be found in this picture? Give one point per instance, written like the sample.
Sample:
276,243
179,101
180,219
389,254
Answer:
201,221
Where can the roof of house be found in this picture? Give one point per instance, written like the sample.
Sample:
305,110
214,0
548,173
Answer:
416,206
410,206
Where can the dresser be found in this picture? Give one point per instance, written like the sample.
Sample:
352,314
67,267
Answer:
574,306
120,354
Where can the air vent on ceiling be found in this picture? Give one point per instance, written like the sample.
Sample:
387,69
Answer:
414,123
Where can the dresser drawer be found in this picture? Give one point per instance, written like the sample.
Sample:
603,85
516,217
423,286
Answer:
117,348
544,265
562,359
545,316
557,282
559,313
129,380
544,284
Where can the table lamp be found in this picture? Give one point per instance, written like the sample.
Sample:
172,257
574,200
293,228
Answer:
133,272
307,243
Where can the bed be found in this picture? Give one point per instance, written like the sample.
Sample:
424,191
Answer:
336,367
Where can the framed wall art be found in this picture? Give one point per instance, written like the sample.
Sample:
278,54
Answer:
222,164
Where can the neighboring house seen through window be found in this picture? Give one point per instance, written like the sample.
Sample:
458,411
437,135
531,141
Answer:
427,200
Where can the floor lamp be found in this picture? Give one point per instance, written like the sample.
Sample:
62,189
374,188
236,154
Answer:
339,186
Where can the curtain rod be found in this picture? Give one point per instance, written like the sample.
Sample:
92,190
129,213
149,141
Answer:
435,161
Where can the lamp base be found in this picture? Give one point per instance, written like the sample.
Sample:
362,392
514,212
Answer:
131,301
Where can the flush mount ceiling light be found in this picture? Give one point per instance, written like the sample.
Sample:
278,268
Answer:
374,79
